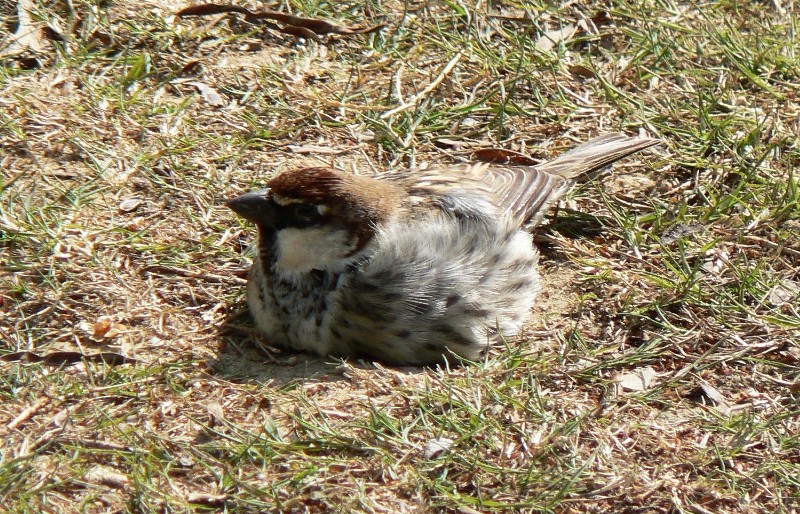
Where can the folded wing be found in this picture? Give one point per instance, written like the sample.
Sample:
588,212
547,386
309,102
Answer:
529,191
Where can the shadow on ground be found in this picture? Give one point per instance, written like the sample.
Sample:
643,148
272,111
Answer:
241,360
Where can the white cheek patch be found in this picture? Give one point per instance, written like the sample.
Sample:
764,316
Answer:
320,248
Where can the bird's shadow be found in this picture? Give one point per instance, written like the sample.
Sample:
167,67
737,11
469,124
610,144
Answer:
239,359
574,224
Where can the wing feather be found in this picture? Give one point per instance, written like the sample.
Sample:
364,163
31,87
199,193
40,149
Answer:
529,191
485,191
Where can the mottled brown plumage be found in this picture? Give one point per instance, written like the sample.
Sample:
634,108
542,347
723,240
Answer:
407,268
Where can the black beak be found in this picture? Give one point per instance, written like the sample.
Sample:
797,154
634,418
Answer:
255,206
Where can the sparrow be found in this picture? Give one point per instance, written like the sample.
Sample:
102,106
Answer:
407,268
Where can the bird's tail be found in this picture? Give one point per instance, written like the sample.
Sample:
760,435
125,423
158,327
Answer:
595,154
527,192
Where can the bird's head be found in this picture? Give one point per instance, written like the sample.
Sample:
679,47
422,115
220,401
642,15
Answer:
318,218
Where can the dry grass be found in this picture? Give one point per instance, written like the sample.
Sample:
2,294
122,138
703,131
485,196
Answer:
681,266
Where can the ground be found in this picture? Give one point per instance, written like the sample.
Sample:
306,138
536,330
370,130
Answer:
660,372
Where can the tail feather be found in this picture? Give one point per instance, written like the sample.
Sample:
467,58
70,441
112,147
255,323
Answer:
529,191
596,154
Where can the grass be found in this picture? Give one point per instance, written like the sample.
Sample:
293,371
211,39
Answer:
114,238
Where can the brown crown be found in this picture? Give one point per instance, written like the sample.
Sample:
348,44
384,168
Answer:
359,202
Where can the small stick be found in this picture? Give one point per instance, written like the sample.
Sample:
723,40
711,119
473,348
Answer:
430,87
27,414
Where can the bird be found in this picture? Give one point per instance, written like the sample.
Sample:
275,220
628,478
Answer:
411,268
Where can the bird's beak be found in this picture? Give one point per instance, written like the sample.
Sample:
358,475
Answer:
255,206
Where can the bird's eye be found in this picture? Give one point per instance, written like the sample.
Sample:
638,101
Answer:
305,212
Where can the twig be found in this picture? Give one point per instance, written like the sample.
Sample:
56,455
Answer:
430,87
92,444
774,246
27,413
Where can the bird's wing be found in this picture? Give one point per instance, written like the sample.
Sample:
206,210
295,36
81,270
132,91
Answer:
527,192
484,192
457,192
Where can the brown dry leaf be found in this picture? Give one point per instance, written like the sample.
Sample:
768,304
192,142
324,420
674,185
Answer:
298,32
500,156
295,25
101,327
444,142
216,413
28,35
579,70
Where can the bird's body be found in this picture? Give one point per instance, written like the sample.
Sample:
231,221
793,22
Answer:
405,268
